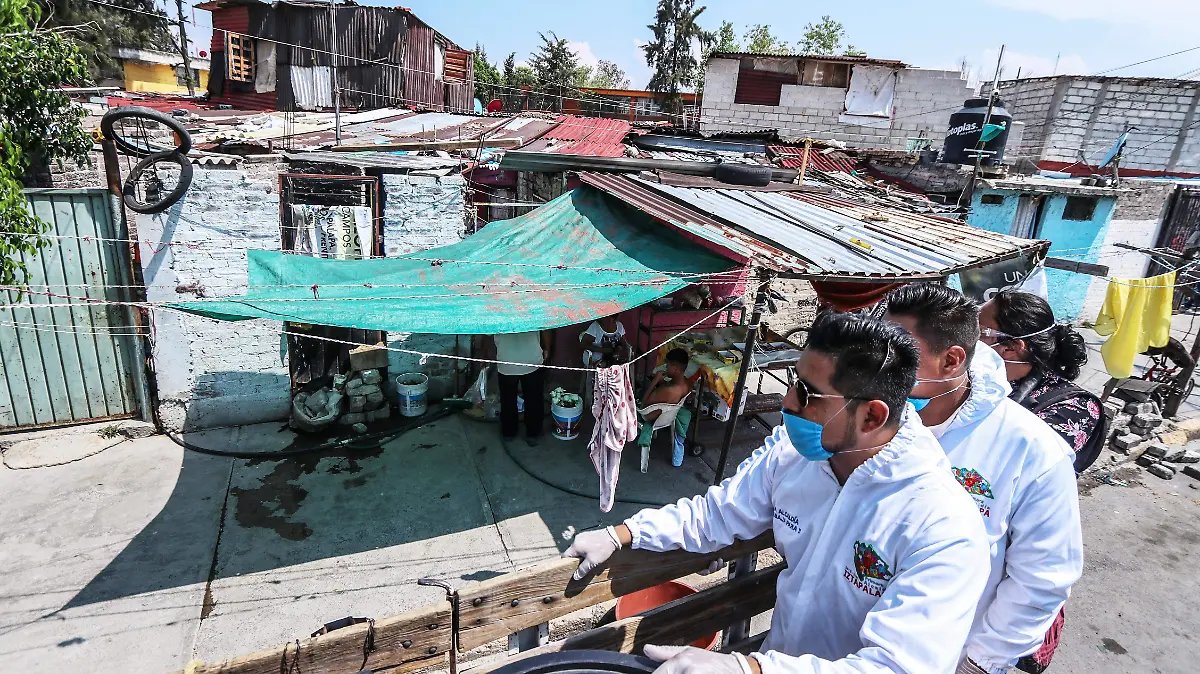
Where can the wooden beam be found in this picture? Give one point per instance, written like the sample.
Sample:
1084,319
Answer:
1078,267
677,623
409,641
498,607
449,144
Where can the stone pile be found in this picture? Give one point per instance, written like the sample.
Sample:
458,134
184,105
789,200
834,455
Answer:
365,399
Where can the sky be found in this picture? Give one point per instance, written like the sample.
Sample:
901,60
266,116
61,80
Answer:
1081,36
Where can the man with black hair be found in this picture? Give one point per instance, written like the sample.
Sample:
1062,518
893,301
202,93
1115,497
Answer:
666,388
1015,467
886,556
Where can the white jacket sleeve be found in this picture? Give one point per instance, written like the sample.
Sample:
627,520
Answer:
922,619
1044,558
738,508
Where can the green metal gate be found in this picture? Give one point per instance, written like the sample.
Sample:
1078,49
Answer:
59,364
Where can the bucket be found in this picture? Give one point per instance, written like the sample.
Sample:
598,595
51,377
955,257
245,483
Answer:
411,388
566,420
653,597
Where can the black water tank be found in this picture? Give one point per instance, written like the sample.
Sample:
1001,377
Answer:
965,127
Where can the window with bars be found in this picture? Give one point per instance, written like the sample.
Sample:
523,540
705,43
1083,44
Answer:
239,57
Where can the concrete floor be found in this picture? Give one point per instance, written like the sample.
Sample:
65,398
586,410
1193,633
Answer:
145,556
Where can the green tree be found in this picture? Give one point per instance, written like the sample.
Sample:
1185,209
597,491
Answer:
759,40
724,40
488,80
608,75
38,123
102,28
670,54
555,68
824,38
851,50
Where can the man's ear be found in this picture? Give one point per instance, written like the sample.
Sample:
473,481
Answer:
954,359
873,415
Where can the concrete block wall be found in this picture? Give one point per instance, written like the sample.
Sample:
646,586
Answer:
1067,115
419,213
1147,201
924,101
211,373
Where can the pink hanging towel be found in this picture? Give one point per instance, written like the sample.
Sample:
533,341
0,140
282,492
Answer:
616,424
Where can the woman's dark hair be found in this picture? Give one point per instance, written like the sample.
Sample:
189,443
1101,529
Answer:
1060,349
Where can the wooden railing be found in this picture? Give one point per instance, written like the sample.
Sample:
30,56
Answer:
523,600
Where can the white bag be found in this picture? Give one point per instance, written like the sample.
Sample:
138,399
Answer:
478,391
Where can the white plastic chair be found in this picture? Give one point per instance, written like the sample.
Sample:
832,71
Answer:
666,419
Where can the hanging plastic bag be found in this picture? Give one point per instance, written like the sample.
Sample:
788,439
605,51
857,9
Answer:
478,391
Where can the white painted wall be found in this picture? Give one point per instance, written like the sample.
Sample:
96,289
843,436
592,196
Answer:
1121,263
924,101
212,373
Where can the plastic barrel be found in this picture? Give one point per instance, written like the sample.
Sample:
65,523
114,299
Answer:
653,597
411,388
566,421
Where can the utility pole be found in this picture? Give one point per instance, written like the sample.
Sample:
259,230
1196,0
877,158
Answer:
183,50
333,83
987,118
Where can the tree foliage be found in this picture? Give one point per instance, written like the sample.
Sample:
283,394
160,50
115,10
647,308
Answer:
608,75
670,53
759,40
824,38
38,123
723,40
104,28
488,80
556,69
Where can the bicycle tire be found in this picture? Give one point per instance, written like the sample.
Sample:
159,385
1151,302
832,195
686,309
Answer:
185,180
112,116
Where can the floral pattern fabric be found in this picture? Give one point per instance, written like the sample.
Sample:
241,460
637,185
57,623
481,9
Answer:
1074,418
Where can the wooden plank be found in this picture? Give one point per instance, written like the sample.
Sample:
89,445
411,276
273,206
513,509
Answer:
498,607
1079,267
409,641
679,622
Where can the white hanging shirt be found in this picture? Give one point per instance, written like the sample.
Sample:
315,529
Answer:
883,574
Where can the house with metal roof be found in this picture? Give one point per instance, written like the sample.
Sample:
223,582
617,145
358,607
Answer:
859,101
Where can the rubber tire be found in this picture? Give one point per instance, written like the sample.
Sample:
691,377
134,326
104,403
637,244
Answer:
185,181
112,116
750,175
581,662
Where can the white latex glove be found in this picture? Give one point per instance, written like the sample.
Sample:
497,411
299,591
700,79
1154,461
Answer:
692,660
592,548
716,565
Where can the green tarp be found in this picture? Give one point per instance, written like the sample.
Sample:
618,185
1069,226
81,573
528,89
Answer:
537,271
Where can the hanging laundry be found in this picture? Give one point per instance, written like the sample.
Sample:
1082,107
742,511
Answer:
616,424
1137,313
339,232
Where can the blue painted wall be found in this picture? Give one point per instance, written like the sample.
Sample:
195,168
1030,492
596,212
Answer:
1075,239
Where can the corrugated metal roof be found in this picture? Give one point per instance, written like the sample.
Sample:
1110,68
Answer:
593,136
816,236
792,157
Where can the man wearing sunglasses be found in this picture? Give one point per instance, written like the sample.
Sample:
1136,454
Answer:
886,556
1016,468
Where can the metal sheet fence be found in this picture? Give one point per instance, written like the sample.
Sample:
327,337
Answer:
60,366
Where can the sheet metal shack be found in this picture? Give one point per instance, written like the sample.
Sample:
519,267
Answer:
278,56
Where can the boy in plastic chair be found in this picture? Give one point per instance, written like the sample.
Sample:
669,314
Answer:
667,388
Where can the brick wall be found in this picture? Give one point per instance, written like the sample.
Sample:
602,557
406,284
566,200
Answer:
1067,115
924,101
1146,201
419,213
212,373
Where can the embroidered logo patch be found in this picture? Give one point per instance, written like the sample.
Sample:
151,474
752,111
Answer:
868,564
973,482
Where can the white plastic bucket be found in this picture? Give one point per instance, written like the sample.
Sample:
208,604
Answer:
411,388
566,421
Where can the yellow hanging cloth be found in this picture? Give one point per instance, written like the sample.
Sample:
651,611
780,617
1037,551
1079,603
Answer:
1137,313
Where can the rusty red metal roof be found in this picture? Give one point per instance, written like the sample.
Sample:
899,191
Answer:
865,60
591,136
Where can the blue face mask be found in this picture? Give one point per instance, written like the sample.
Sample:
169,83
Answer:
805,436
919,403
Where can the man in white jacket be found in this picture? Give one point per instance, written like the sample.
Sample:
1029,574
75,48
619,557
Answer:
1017,469
886,556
